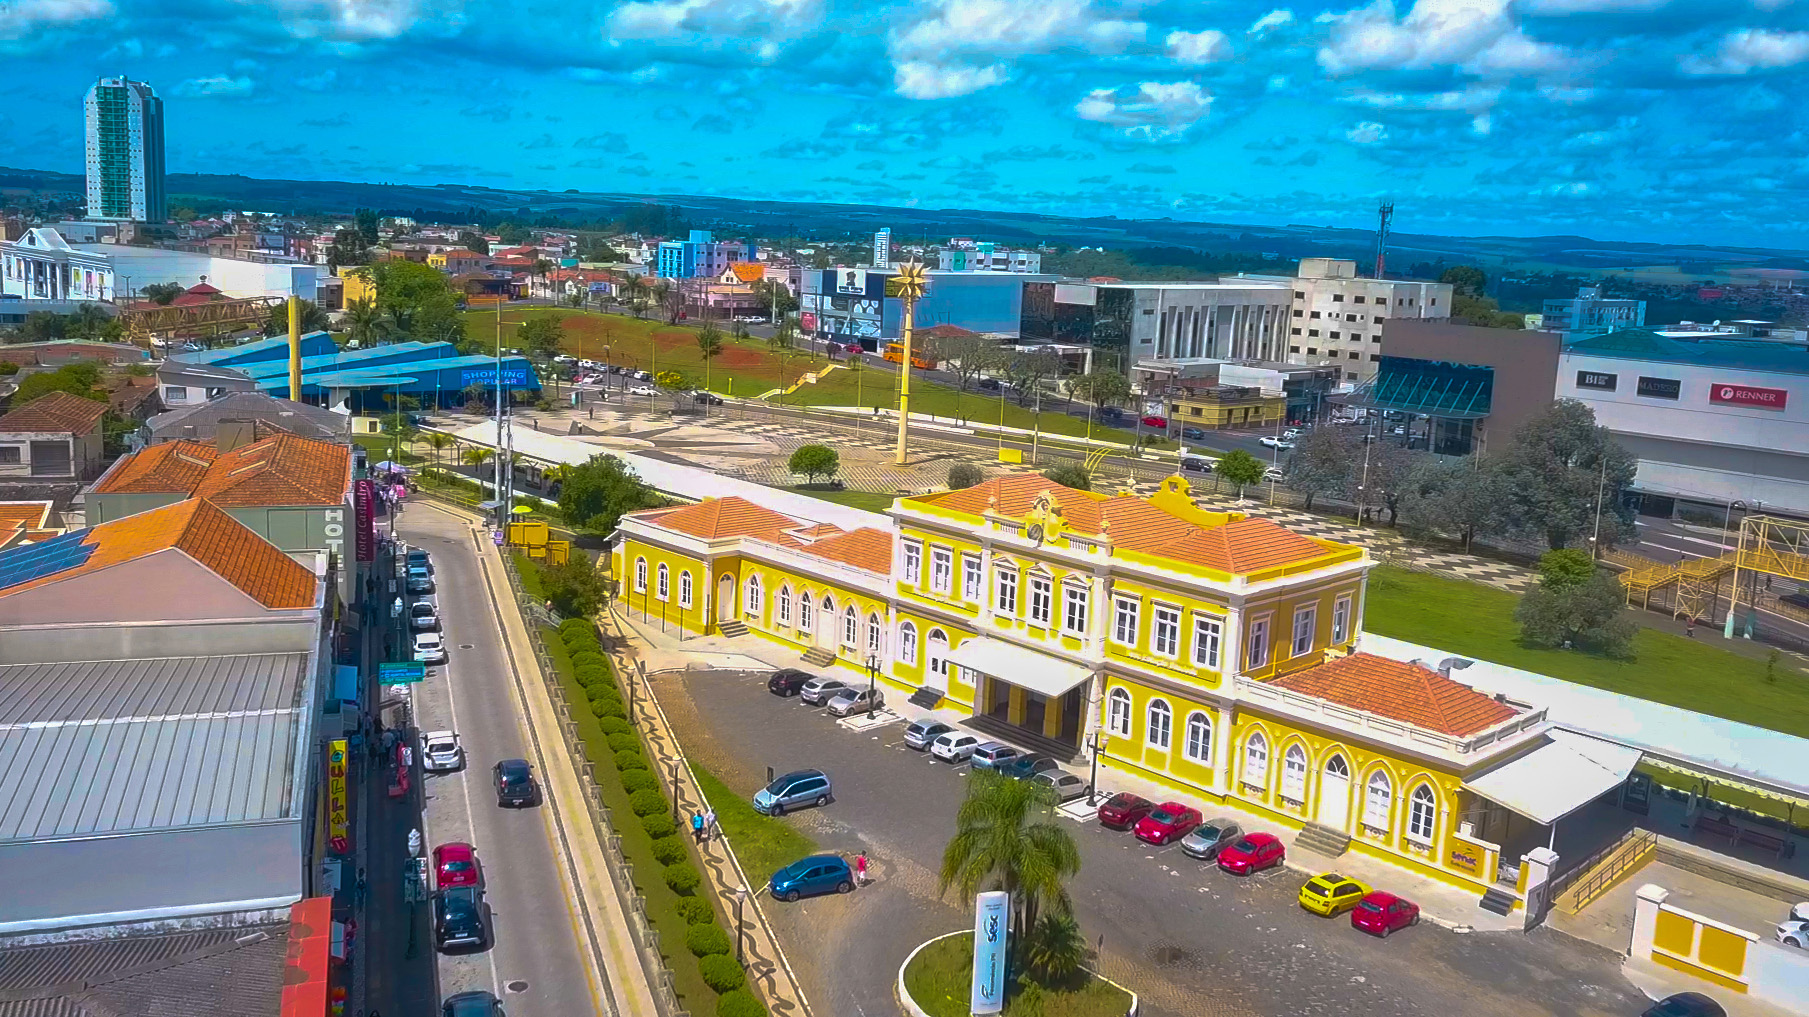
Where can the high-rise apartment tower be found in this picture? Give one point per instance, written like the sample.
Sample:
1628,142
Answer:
125,151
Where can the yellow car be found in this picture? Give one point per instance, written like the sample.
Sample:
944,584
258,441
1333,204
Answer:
1331,894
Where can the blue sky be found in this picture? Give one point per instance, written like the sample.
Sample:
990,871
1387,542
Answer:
1663,120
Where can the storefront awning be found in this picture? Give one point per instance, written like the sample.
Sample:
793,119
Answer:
1020,666
1558,778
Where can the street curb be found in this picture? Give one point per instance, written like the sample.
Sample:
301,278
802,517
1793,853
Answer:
909,1007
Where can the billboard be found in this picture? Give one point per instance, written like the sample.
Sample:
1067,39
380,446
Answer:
991,923
1747,395
339,823
850,280
516,376
364,508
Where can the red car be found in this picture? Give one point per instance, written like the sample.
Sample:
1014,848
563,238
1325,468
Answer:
1159,423
1253,852
852,348
1123,810
1170,821
456,865
1380,913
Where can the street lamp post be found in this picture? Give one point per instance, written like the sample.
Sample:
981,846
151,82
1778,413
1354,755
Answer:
672,768
1093,778
740,938
872,681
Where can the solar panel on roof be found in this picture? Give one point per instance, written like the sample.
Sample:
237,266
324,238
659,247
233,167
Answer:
46,558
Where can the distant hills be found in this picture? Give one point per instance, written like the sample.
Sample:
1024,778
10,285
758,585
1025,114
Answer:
829,221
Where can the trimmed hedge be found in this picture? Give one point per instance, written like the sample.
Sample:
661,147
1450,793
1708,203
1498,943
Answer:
739,1003
670,850
721,972
625,740
684,881
573,624
609,708
646,803
631,759
660,824
588,658
694,910
704,940
592,676
614,725
639,780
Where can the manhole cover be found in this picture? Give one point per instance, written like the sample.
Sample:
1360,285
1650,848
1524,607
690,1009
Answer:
517,986
466,646
1167,956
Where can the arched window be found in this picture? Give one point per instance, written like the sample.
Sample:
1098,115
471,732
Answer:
938,652
684,589
1161,724
785,605
907,643
851,627
1337,767
1199,738
751,596
665,581
640,575
1293,773
1118,713
1256,760
1378,795
1422,813
875,636
804,604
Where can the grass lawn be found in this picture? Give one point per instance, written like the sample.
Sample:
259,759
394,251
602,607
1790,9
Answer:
940,980
382,446
1477,621
530,584
869,500
763,844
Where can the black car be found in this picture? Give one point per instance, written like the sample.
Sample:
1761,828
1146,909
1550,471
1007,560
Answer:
989,384
515,784
788,682
1685,1004
471,1004
1193,432
1196,464
1027,766
458,918
706,398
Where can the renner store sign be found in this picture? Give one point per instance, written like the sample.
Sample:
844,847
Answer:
1747,395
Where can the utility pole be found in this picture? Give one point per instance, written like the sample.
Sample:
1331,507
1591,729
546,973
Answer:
1387,218
502,506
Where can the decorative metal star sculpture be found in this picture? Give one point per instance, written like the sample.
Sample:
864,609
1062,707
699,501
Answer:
912,280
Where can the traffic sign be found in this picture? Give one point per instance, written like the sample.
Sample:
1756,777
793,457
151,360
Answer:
392,672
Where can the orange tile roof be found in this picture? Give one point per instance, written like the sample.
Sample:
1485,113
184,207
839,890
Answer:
55,413
27,515
209,536
748,271
1400,691
727,517
170,468
866,548
283,469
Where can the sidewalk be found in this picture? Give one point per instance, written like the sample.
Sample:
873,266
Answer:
1657,983
767,967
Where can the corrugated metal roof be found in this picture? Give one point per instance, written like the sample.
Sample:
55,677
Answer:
102,747
231,972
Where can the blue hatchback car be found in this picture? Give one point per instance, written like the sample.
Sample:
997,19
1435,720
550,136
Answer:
813,875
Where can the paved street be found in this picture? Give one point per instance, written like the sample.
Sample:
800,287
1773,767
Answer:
1192,940
540,962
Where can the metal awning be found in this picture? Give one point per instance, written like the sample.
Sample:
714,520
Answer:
1559,777
1019,665
1428,388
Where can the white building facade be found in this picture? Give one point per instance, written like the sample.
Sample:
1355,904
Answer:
984,257
125,151
1335,318
1233,320
41,265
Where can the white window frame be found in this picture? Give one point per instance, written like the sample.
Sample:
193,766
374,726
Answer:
785,605
1042,600
1165,631
1208,637
1125,620
1118,713
640,575
875,636
1075,601
942,569
1256,647
1005,587
1159,724
851,627
1341,619
913,563
1294,773
806,608
751,596
1256,755
663,582
1422,814
1378,800
1306,620
938,662
972,582
684,588
907,642
1198,746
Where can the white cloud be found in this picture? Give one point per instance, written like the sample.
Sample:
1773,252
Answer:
19,18
1562,7
1367,133
1469,100
1477,36
217,85
967,39
354,21
705,20
1281,17
1751,49
1481,124
916,79
1206,47
1151,111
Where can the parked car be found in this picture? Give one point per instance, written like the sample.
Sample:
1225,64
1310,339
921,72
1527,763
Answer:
455,864
852,348
919,735
1331,895
810,876
1067,786
515,784
1685,1004
818,691
1124,810
850,701
989,384
788,681
423,616
1253,852
1291,433
1206,840
476,1003
420,558
1159,423
1380,913
954,746
430,648
1794,931
1196,464
1167,822
788,791
441,752
1195,433
1273,442
458,918
644,390
992,755
706,398
1029,765
419,581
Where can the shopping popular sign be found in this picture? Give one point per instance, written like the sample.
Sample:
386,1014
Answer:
517,376
992,912
339,821
1747,395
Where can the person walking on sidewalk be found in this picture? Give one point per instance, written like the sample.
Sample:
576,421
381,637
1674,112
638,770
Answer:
860,869
709,826
697,827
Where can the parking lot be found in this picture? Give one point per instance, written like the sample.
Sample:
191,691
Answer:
1190,939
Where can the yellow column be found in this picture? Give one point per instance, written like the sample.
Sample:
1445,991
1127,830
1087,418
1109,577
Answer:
904,383
295,349
1014,711
1052,718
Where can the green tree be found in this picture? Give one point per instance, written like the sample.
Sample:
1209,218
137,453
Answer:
77,379
477,456
709,345
161,293
1576,606
1561,473
1055,949
543,335
511,234
1454,497
963,475
40,326
814,461
364,323
366,219
313,319
1319,464
439,443
1466,279
784,335
348,248
1026,370
594,494
775,296
575,588
965,356
1072,475
1100,387
1241,468
1007,838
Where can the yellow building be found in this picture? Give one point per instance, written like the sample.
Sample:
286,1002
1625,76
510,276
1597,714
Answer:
1203,651
358,285
1219,407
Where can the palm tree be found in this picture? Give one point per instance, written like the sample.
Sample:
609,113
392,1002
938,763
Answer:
1006,838
541,268
1055,949
476,456
364,323
439,442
